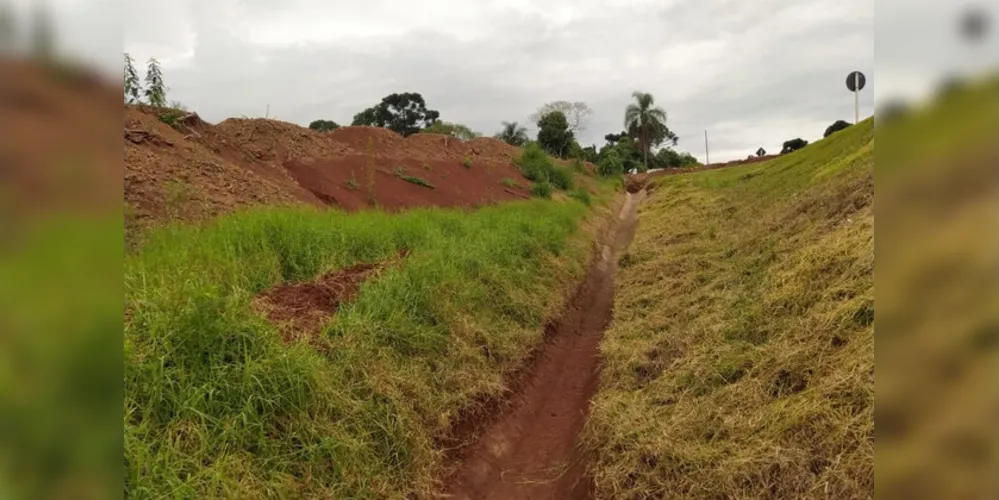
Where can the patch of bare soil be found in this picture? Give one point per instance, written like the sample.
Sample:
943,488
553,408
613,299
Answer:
529,450
302,309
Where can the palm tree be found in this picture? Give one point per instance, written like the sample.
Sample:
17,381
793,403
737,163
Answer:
644,119
513,134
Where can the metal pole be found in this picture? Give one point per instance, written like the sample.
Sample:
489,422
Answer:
856,98
707,154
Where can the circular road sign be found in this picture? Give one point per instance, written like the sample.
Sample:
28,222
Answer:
856,81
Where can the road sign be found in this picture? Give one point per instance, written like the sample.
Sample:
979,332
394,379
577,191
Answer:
856,81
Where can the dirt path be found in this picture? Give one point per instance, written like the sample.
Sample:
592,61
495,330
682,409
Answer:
529,452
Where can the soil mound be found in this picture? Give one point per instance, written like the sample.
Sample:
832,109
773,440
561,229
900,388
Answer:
277,141
169,175
358,138
197,170
358,181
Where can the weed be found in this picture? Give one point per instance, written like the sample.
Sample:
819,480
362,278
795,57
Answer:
352,184
427,167
561,177
539,168
541,190
508,182
216,404
416,180
178,193
583,196
467,162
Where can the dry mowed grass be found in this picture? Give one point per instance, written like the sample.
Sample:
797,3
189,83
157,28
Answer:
740,362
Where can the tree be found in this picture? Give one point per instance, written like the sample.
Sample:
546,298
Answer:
324,125
554,134
405,113
670,158
644,120
155,89
793,145
132,85
513,134
575,113
836,127
453,129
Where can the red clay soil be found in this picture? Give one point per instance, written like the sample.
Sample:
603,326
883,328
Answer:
301,309
346,182
198,170
529,451
170,175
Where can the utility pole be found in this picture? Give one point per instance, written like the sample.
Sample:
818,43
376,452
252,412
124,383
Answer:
267,114
707,154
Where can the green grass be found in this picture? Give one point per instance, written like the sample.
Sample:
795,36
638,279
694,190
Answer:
740,360
508,182
541,190
539,168
217,405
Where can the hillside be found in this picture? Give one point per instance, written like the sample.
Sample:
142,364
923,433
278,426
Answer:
196,170
740,361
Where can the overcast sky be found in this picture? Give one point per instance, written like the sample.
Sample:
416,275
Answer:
753,73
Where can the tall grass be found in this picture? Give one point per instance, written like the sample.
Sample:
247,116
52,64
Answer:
217,405
740,360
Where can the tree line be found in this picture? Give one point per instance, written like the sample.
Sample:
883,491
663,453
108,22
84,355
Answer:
645,143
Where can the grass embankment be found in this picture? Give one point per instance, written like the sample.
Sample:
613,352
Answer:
218,405
740,362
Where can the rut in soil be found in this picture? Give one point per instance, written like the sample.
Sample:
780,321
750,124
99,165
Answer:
530,451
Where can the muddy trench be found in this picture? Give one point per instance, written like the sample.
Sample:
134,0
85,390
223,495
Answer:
530,451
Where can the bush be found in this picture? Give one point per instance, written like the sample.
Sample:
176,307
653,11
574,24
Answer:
561,177
508,182
583,196
835,127
538,167
542,190
611,164
468,162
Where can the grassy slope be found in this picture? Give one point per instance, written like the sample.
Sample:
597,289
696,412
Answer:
740,362
216,405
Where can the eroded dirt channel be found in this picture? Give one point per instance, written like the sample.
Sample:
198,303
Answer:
530,450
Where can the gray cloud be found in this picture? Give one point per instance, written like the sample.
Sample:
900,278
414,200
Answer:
752,73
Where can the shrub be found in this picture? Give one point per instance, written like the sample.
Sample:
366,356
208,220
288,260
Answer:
508,182
538,167
561,177
468,162
542,190
611,164
583,196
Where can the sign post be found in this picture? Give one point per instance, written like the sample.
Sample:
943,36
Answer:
855,82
